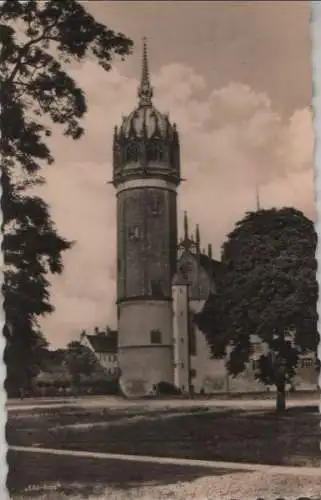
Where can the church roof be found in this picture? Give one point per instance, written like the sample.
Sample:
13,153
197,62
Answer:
196,267
146,144
104,343
191,245
211,266
145,119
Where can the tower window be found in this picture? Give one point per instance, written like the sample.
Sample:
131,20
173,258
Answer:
156,288
155,206
152,152
162,154
132,153
193,373
306,362
255,364
134,233
155,336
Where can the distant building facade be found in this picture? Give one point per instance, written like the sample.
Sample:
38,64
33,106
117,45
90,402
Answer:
194,369
103,343
161,283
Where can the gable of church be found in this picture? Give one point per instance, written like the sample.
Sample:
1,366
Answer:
190,271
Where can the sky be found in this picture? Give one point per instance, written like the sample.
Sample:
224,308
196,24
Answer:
236,78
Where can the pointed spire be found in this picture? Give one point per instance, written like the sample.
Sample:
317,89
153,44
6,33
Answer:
197,236
185,226
145,91
210,253
257,194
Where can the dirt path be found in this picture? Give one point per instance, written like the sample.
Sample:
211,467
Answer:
114,403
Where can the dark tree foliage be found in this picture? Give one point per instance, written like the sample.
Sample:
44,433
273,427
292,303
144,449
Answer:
80,360
267,292
38,39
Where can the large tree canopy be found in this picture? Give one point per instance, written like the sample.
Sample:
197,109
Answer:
38,40
80,360
267,292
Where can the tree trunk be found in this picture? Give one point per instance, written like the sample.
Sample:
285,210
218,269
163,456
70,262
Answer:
280,398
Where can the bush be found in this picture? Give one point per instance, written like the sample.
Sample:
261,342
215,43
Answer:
166,388
104,387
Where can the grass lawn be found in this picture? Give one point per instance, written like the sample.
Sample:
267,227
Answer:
228,435
33,474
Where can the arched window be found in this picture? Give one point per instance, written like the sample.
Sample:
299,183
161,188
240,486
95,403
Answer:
152,152
162,153
116,156
132,153
134,233
173,156
155,205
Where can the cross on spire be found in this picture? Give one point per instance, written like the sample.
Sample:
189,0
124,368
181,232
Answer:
145,91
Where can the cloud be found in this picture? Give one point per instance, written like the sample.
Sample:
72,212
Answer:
231,139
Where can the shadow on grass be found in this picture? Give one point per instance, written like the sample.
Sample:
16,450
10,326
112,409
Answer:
302,410
254,436
32,473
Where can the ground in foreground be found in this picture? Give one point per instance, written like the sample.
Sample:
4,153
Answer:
49,477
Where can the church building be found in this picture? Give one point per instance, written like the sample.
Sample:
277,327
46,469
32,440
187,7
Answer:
161,282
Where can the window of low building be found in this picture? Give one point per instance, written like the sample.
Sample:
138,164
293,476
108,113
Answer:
255,364
306,362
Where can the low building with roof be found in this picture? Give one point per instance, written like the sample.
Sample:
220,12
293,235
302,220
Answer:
103,343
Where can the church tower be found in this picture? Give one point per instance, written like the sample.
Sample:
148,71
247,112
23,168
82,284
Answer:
146,174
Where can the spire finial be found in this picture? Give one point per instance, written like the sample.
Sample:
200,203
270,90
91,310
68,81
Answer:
145,91
197,236
210,250
185,226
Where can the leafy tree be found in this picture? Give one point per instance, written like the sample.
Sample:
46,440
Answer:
31,250
38,40
267,293
80,360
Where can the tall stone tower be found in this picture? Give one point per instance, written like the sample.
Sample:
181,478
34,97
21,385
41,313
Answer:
146,174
